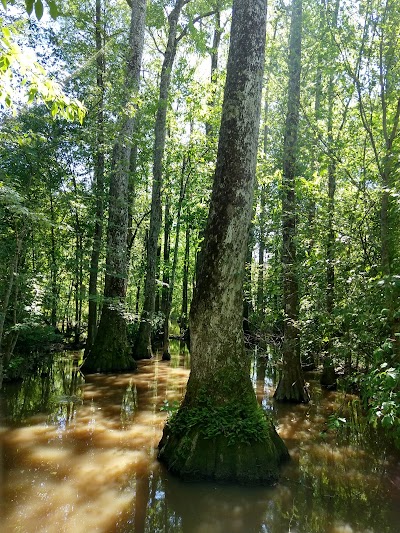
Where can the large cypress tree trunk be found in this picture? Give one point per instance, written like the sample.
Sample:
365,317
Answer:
291,386
142,348
98,184
111,351
220,432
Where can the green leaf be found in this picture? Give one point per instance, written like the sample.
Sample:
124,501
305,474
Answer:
53,9
4,2
29,6
39,9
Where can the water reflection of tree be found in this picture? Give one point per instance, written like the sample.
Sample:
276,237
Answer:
129,405
54,390
339,485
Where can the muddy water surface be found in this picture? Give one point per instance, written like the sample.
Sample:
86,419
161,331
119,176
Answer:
79,455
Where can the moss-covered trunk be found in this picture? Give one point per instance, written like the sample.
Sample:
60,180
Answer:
220,433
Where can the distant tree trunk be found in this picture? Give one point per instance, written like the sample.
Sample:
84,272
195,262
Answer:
98,184
167,261
53,266
317,116
210,437
171,282
12,336
12,274
247,285
328,376
291,386
142,348
261,240
167,254
185,282
157,301
78,283
330,252
111,351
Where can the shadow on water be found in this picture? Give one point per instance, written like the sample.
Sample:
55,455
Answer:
79,455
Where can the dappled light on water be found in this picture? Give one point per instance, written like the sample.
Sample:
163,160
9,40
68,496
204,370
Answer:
79,455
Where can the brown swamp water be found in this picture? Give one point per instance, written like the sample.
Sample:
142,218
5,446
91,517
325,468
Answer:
79,455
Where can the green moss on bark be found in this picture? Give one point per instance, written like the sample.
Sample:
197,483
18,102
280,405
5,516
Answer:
237,423
226,443
111,351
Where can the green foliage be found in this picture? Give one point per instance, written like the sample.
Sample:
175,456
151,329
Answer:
34,83
155,15
336,422
35,336
37,5
170,407
236,422
381,395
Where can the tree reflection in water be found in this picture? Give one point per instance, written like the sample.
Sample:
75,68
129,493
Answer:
80,455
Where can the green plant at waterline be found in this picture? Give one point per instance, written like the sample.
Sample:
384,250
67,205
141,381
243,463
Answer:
380,391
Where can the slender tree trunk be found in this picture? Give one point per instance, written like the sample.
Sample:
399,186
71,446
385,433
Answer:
261,254
328,376
142,348
210,437
166,255
171,282
78,272
98,184
185,281
13,272
261,240
247,286
167,263
317,115
53,266
291,385
12,337
111,351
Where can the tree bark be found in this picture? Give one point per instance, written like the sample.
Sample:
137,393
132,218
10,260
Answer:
214,65
53,265
171,282
142,348
220,433
185,282
98,184
291,386
111,351
13,273
328,377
